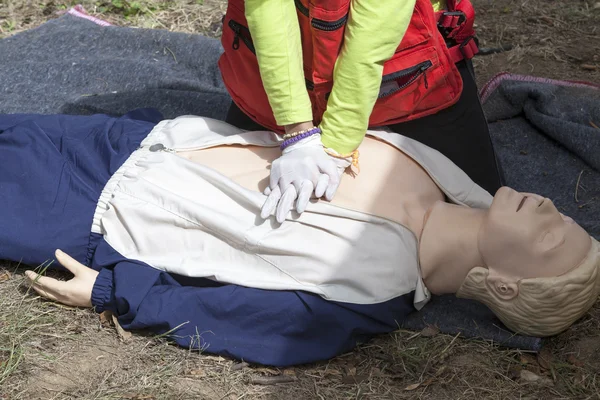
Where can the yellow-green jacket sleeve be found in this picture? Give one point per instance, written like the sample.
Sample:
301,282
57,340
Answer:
373,32
438,5
275,32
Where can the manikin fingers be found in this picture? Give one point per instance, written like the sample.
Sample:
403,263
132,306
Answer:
68,262
43,285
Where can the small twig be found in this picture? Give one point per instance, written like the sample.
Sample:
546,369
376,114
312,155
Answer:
594,125
272,380
451,343
171,51
577,186
585,204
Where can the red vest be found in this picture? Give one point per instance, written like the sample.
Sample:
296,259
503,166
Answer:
420,79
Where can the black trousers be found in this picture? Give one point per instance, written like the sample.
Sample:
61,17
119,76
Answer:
460,132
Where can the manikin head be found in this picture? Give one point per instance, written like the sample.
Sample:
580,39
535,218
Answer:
541,268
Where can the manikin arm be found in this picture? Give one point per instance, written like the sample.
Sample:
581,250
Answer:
261,326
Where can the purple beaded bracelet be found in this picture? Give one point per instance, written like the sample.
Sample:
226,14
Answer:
295,139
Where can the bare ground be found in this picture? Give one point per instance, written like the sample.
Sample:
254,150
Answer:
48,351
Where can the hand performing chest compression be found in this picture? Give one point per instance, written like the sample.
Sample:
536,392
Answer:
305,169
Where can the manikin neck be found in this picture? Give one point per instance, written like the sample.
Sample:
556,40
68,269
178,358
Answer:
448,246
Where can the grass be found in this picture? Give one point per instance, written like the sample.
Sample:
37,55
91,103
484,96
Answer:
198,16
49,351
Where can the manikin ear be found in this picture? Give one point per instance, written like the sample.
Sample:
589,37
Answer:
501,286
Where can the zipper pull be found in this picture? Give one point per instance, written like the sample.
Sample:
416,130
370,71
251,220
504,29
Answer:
424,70
236,41
236,38
160,147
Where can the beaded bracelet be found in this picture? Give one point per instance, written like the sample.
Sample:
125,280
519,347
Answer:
298,138
355,154
297,133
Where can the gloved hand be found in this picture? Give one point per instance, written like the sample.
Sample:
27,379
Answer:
303,169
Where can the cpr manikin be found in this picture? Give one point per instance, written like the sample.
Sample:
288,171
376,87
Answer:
536,269
515,257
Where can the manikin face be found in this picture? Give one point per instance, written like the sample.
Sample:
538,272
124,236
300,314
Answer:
524,236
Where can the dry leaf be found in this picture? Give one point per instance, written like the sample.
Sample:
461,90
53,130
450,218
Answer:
412,387
199,373
5,275
529,376
123,334
430,331
217,359
571,359
527,359
106,319
545,358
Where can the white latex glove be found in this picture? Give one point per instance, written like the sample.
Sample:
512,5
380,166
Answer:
303,169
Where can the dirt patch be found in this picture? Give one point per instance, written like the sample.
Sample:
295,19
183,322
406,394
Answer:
551,39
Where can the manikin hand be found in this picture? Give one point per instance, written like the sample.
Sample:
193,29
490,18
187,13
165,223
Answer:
303,169
75,292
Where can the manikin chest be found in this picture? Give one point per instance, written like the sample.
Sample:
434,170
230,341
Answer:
390,184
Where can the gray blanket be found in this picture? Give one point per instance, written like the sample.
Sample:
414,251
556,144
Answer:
542,132
70,65
548,142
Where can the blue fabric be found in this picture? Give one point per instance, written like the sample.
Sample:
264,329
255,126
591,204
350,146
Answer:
52,171
278,328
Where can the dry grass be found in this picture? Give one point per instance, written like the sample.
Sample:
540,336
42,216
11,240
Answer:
195,16
553,39
52,352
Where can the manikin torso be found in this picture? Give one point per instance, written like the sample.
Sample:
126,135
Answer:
201,218
399,189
